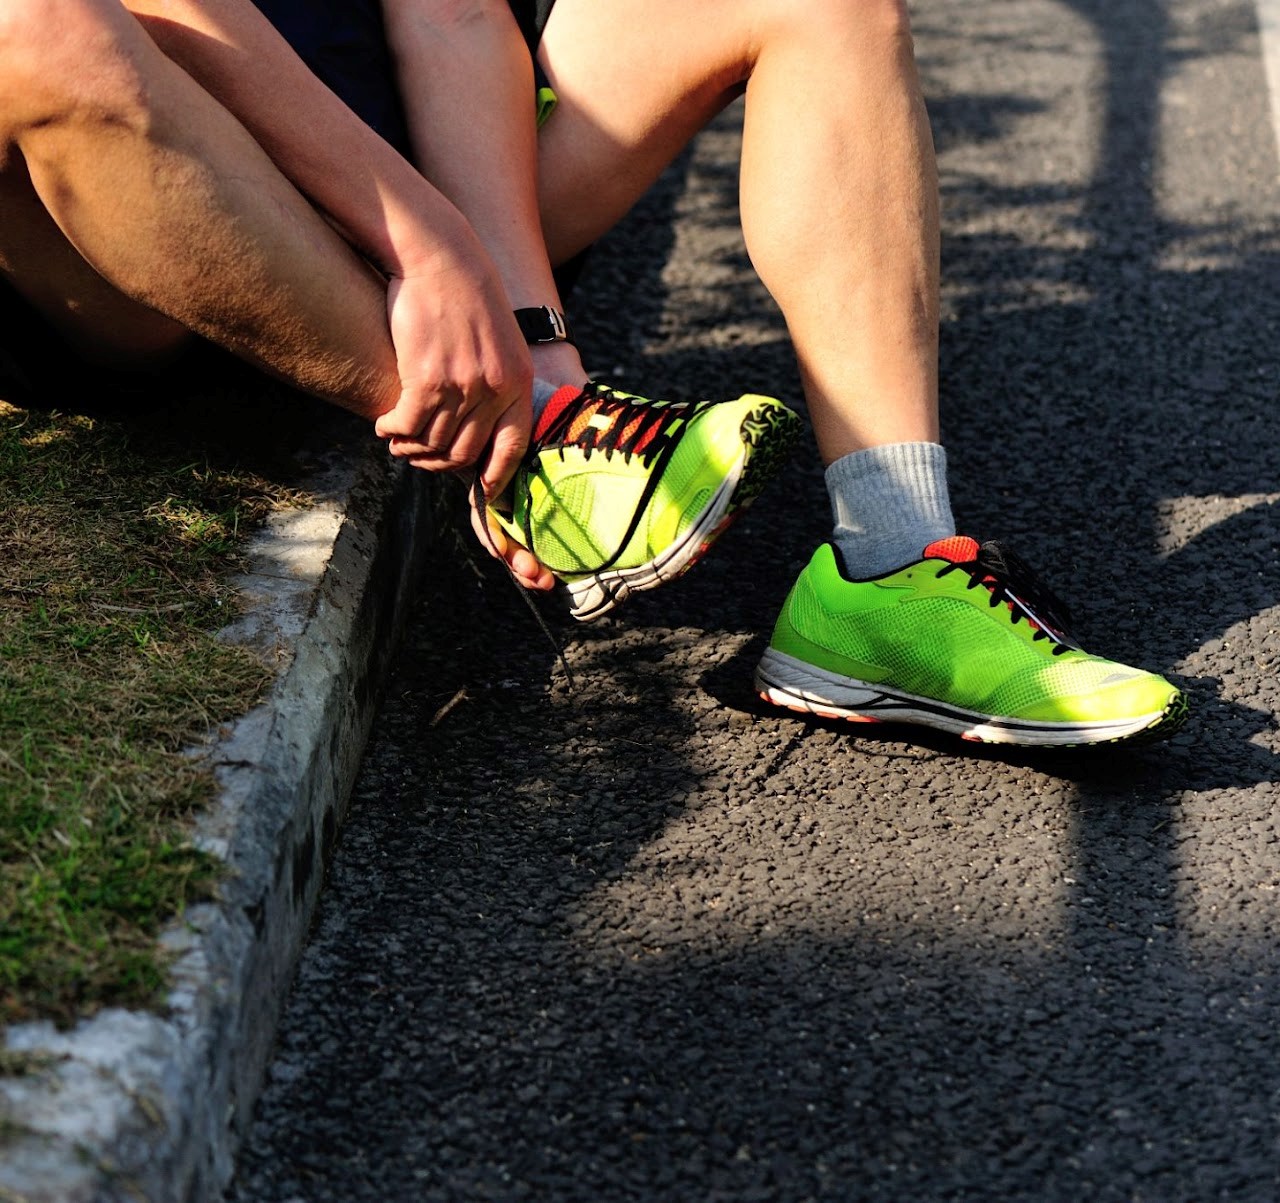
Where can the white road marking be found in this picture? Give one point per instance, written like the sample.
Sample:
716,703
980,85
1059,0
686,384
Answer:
1269,26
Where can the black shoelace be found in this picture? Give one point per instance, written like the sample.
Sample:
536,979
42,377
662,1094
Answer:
475,492
634,428
1012,581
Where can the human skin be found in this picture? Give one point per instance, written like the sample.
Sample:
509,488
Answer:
838,182
179,169
238,198
838,187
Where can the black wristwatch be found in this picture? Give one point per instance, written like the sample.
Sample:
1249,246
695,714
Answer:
544,325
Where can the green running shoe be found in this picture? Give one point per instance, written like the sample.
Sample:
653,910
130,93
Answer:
964,640
618,493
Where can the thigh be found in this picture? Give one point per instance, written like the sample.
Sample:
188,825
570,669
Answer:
634,81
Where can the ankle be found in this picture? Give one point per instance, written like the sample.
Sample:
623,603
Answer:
889,503
558,363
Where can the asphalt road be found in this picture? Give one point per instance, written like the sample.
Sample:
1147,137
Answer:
643,940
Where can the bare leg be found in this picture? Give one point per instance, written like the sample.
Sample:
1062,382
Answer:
838,186
167,197
467,84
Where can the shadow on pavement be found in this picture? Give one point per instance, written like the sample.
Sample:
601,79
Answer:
651,940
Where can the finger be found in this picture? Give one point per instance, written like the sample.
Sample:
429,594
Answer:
404,448
469,441
403,421
436,459
429,415
529,571
442,431
510,439
431,463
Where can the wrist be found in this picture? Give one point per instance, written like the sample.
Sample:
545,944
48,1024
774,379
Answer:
428,238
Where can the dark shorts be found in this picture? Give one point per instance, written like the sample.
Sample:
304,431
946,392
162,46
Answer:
532,17
344,43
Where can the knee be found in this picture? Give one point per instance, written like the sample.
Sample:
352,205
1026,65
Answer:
863,26
61,57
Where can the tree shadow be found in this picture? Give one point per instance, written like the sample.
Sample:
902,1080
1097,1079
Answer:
649,939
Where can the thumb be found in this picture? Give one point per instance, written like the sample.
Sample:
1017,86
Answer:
507,448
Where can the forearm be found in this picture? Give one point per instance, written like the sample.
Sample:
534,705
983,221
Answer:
467,81
380,203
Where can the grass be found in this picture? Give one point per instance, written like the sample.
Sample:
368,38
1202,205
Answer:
115,551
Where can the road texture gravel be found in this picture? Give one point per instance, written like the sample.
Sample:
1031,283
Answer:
643,939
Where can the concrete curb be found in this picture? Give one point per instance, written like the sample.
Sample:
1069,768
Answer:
143,1106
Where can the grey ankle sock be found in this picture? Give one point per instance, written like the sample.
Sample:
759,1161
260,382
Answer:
889,503
543,391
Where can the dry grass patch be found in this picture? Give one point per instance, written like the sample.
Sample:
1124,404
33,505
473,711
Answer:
115,549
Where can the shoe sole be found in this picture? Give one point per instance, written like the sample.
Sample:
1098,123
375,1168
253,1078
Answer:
768,435
785,681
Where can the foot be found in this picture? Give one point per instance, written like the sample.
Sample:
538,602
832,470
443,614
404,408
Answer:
618,493
963,640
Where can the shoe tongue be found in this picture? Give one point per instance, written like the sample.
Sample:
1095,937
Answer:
959,549
555,406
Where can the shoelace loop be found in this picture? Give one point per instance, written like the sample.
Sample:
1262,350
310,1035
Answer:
1013,582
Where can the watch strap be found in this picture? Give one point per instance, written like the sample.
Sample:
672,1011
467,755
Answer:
543,324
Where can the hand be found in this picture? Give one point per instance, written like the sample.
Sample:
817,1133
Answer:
466,378
466,387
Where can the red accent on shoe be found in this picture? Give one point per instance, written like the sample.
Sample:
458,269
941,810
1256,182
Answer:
555,407
642,443
629,432
583,422
959,549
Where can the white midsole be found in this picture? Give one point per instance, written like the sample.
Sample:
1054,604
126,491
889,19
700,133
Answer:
590,596
793,683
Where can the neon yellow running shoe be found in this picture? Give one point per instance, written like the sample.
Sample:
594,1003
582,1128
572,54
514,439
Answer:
618,493
964,640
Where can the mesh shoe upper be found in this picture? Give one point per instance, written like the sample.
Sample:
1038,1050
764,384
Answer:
953,627
612,479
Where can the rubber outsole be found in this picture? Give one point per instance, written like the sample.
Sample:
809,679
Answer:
788,683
